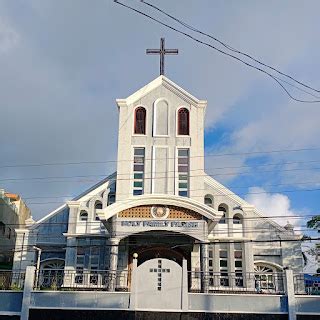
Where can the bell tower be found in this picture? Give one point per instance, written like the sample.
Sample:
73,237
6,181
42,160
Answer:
160,142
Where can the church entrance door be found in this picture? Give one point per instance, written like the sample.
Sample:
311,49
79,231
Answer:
159,284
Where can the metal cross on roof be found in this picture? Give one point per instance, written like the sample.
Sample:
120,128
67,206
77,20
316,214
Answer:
162,51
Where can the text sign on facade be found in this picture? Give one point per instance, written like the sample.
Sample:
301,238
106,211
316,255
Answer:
160,224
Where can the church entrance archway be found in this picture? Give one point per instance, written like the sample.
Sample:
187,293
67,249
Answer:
159,283
159,245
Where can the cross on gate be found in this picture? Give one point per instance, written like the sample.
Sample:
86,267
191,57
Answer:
162,51
159,270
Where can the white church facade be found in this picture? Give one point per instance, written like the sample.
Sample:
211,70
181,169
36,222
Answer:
161,208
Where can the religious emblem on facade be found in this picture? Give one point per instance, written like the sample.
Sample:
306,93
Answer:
160,212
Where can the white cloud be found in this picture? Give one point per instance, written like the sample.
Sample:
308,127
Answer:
8,37
274,205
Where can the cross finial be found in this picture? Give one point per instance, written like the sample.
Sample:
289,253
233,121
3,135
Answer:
162,51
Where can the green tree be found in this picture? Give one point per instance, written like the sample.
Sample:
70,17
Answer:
314,223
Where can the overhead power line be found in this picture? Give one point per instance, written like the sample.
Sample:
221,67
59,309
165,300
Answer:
181,243
230,187
219,50
146,175
231,154
233,49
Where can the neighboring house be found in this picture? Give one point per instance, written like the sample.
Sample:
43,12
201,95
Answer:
160,204
13,214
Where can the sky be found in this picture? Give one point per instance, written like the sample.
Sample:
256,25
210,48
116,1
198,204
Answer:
63,64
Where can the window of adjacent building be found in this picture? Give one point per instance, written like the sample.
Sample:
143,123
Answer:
140,121
183,122
183,172
138,171
224,210
238,267
223,264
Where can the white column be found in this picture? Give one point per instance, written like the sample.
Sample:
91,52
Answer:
24,253
289,285
114,252
70,262
205,266
71,250
231,268
184,288
248,264
73,216
216,264
248,254
195,268
133,288
28,286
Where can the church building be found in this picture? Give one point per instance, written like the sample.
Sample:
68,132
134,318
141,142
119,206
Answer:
159,206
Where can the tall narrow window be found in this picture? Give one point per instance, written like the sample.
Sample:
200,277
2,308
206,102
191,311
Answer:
223,263
183,172
140,121
183,122
238,264
138,171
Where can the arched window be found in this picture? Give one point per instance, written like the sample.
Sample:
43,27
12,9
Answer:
97,205
83,215
160,121
183,122
266,278
223,208
140,121
208,200
237,219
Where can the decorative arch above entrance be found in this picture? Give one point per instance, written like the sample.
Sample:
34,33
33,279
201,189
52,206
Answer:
159,204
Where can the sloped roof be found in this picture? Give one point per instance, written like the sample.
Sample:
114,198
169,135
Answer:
79,197
167,83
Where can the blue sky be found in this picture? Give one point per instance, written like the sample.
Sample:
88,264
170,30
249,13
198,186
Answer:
63,64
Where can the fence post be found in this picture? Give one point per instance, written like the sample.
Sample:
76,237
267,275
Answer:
28,286
133,287
289,286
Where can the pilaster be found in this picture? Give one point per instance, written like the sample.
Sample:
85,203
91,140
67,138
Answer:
114,252
205,266
24,253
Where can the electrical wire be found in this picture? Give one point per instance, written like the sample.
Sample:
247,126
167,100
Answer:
219,50
169,158
150,173
234,50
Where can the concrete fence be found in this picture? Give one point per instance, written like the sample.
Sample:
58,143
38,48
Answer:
288,304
